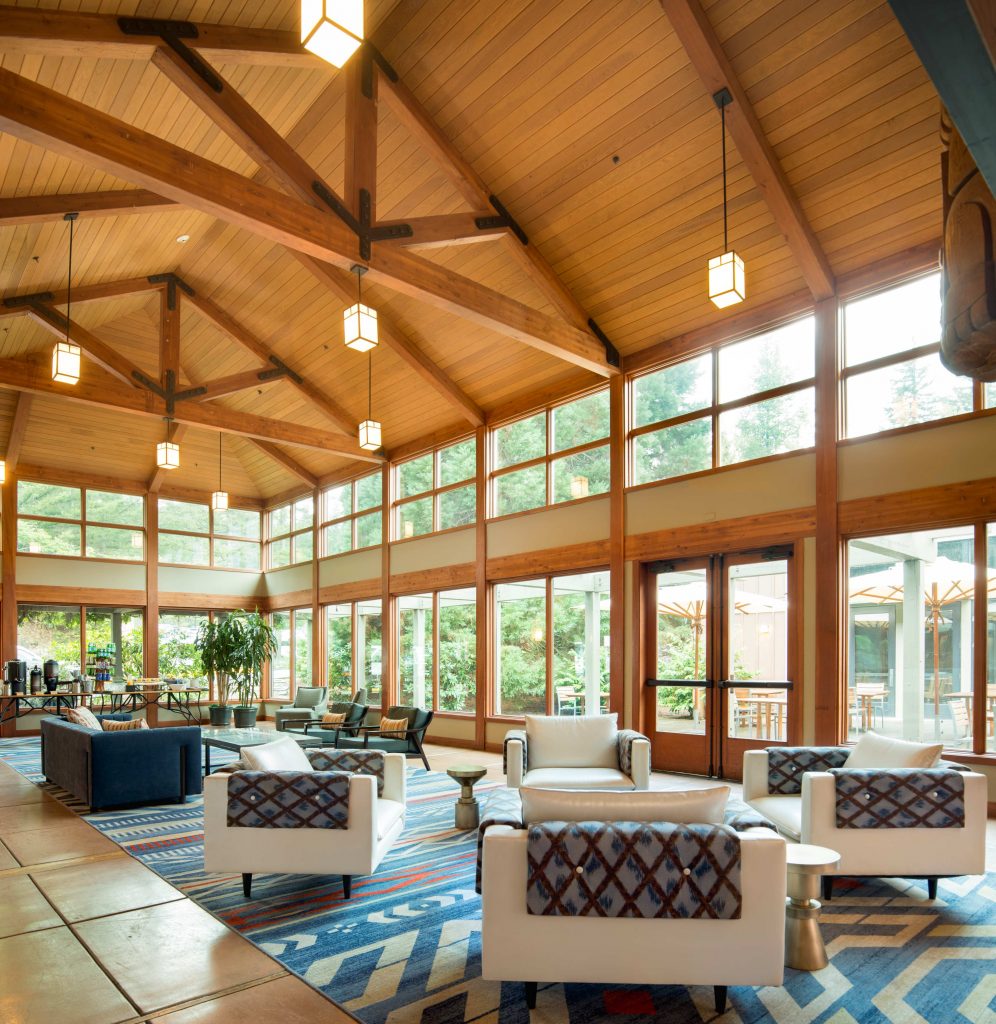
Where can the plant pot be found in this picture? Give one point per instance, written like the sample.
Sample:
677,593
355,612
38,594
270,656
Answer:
221,714
245,717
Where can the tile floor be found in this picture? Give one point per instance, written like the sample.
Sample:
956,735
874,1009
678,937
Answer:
91,936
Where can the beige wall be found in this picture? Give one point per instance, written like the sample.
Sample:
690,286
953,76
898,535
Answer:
432,552
174,579
549,528
37,570
443,729
288,580
360,565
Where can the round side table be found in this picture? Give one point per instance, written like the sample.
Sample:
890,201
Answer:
467,813
804,949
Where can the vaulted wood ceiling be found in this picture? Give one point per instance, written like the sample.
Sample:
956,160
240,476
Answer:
590,121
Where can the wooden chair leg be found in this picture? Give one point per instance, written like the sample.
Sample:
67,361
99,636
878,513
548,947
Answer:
247,884
719,994
531,987
421,753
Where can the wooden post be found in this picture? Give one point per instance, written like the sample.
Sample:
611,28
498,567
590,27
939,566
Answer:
617,552
318,658
8,605
388,676
980,638
151,652
483,603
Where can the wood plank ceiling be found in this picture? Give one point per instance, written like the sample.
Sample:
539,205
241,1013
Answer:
586,118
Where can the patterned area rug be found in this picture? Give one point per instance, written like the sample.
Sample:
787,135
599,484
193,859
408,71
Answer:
406,947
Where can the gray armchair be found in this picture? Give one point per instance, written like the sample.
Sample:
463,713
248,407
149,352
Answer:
310,703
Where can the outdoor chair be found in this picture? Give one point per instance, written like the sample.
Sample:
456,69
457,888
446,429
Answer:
568,701
408,742
309,704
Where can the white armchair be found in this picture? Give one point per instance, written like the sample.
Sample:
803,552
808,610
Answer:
375,820
583,752
798,791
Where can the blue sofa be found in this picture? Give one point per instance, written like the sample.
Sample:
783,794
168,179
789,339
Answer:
117,769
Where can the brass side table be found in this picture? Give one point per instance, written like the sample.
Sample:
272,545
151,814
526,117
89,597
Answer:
467,814
804,949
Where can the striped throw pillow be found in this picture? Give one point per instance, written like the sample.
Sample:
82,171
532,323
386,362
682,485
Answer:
331,718
110,725
393,724
82,716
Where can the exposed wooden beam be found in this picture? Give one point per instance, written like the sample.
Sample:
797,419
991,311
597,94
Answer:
69,34
169,336
696,35
20,375
18,431
96,350
39,115
230,326
81,293
341,284
177,432
291,465
235,382
361,134
39,209
444,229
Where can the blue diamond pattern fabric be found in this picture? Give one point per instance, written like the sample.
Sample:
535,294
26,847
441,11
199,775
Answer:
502,807
900,798
288,800
359,762
787,765
633,869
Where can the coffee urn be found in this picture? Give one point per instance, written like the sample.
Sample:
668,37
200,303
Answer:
51,675
15,675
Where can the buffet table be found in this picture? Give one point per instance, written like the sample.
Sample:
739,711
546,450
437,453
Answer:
184,702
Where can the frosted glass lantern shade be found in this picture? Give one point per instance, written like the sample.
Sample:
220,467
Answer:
66,362
359,325
167,455
579,487
332,29
219,501
370,435
727,284
3,470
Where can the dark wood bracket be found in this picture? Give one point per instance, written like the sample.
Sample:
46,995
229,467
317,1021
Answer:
167,392
281,370
28,300
503,220
172,282
611,352
171,33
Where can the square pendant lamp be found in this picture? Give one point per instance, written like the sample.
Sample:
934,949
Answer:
66,354
332,29
167,455
727,279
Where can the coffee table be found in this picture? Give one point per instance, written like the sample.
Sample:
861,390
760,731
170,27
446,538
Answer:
238,739
804,949
467,814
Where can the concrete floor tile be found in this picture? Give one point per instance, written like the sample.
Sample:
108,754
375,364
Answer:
84,891
7,859
67,841
25,909
49,977
171,953
29,816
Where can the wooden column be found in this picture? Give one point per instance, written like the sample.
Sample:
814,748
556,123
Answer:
361,134
830,612
980,639
8,605
484,618
617,551
151,585
318,661
388,676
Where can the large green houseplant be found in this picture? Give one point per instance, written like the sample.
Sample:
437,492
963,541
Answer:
257,645
216,644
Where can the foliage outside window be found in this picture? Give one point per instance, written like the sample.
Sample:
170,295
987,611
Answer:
191,534
560,454
351,515
436,491
892,375
178,654
79,522
353,632
576,680
290,666
290,533
437,650
746,400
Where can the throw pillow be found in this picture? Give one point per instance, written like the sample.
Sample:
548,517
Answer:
393,724
333,719
283,755
874,751
567,741
83,716
694,805
112,725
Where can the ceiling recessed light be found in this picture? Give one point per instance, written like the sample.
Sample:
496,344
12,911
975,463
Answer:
183,238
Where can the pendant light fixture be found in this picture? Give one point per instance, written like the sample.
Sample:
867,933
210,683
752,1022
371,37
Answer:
167,453
579,486
219,499
332,29
726,272
359,322
3,471
66,355
370,433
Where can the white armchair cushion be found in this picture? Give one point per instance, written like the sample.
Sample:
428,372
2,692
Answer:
576,778
874,751
572,742
697,805
283,755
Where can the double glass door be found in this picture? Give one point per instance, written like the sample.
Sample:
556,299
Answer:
722,648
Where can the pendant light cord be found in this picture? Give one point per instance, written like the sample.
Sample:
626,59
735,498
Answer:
219,460
71,217
722,121
370,372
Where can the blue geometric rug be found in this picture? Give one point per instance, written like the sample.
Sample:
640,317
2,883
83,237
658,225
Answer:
406,948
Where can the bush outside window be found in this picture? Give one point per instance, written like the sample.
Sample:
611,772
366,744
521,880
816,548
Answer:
290,666
351,515
436,491
190,533
353,637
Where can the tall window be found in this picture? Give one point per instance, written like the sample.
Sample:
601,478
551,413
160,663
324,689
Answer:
437,650
351,515
191,534
436,491
353,633
892,374
290,538
178,654
557,455
55,520
573,677
290,667
746,400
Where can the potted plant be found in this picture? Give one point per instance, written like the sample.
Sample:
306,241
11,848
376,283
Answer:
257,643
677,702
217,645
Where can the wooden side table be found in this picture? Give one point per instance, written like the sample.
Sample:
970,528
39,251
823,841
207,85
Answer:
804,949
467,814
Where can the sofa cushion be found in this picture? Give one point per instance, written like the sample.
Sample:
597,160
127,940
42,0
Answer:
409,714
283,755
577,778
875,751
393,724
334,718
684,807
82,716
572,741
783,811
135,723
388,812
309,696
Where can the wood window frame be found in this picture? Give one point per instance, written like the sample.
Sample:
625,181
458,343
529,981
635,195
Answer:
291,535
353,517
434,492
211,537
